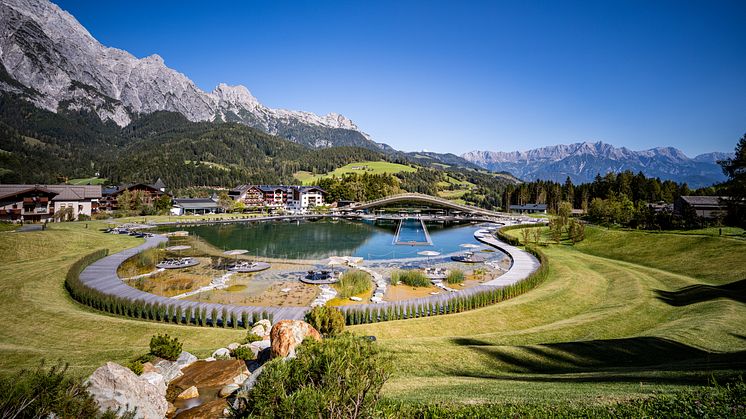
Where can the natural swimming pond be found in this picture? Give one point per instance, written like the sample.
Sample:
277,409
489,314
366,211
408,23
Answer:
306,239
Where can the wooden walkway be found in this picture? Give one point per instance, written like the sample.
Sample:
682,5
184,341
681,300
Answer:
102,276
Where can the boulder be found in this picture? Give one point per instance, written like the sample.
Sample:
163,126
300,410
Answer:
148,367
185,359
168,369
228,390
214,374
212,409
210,359
154,378
116,387
266,323
232,346
258,330
189,393
221,353
286,335
251,382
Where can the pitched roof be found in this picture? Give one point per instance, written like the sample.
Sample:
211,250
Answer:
62,192
540,207
195,203
714,201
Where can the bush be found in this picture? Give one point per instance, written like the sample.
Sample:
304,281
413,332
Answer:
413,278
328,321
165,347
47,393
353,282
337,378
251,337
244,353
136,364
455,277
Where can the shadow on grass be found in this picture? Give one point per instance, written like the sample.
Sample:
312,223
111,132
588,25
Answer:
699,293
649,359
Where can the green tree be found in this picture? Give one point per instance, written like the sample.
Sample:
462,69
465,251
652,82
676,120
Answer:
735,169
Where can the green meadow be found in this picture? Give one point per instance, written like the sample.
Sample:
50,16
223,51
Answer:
622,315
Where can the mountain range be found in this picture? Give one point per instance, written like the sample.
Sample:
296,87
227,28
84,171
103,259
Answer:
50,60
583,161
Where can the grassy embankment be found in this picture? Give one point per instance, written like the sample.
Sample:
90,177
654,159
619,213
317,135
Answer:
369,167
622,315
40,320
451,188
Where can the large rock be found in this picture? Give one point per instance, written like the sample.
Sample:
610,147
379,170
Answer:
286,335
189,393
221,353
249,384
228,390
185,359
211,374
116,387
262,328
170,370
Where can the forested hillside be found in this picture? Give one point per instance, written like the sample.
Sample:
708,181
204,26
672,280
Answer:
39,146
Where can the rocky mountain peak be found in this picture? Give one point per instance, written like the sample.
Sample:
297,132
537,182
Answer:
54,62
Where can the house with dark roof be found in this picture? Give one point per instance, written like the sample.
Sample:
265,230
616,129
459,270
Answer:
183,206
705,207
148,193
40,202
529,208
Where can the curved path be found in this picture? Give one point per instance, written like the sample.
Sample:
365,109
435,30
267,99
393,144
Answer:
102,276
522,265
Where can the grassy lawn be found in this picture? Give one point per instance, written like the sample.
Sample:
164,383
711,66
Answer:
87,181
370,167
622,315
40,321
599,329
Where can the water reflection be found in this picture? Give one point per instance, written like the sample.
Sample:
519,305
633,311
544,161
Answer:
319,239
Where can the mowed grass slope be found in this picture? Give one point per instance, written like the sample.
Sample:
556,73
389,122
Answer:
369,167
598,329
40,320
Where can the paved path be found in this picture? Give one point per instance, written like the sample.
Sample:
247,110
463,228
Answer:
522,263
102,276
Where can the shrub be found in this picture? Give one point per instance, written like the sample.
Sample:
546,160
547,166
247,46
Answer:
329,321
243,353
136,365
340,377
413,278
353,282
165,347
251,337
455,277
46,392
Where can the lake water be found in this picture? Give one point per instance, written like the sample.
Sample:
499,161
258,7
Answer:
323,238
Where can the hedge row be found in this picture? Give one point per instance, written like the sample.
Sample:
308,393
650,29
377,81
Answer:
456,304
138,309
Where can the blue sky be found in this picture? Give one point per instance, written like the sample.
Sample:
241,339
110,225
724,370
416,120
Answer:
456,76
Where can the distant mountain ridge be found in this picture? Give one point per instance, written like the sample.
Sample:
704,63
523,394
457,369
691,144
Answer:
582,161
54,62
